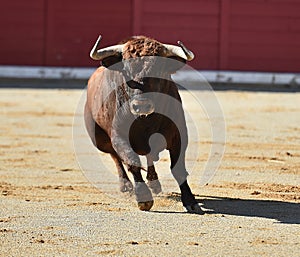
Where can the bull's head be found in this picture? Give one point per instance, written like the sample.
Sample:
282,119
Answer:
137,59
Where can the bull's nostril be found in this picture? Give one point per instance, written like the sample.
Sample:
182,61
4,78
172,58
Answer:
141,107
136,107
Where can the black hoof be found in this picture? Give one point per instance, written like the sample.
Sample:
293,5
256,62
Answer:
145,206
155,186
126,185
143,196
195,208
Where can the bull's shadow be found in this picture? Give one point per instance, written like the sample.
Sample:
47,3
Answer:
281,212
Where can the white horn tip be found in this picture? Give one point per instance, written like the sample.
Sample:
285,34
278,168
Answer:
93,52
190,55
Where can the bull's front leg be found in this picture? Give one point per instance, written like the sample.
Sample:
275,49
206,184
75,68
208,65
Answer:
152,177
179,172
131,159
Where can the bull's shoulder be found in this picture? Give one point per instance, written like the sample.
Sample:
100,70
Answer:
97,73
106,78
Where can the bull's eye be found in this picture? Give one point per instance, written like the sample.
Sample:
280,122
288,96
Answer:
134,85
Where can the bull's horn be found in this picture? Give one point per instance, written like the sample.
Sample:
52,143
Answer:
180,51
100,54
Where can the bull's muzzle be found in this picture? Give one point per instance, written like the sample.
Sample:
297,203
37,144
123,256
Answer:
141,106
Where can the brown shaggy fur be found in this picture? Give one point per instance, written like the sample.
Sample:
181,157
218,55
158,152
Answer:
142,46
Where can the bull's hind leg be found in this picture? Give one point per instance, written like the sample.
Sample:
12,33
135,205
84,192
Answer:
153,182
124,181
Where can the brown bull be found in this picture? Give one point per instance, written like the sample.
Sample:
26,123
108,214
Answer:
133,108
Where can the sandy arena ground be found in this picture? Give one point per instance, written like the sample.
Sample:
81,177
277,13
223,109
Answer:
49,207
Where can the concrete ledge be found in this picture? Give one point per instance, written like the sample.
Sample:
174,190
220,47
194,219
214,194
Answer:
224,77
37,72
236,77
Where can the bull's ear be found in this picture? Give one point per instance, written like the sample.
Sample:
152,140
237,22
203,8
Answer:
174,63
113,62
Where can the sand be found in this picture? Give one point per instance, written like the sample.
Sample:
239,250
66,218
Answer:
50,207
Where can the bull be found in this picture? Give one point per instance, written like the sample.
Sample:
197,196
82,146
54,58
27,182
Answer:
134,108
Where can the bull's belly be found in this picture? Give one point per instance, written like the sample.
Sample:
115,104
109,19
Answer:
150,135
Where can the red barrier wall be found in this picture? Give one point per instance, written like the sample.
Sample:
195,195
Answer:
251,35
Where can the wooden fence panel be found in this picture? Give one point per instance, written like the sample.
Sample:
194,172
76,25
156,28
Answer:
249,35
196,23
264,35
73,27
22,37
